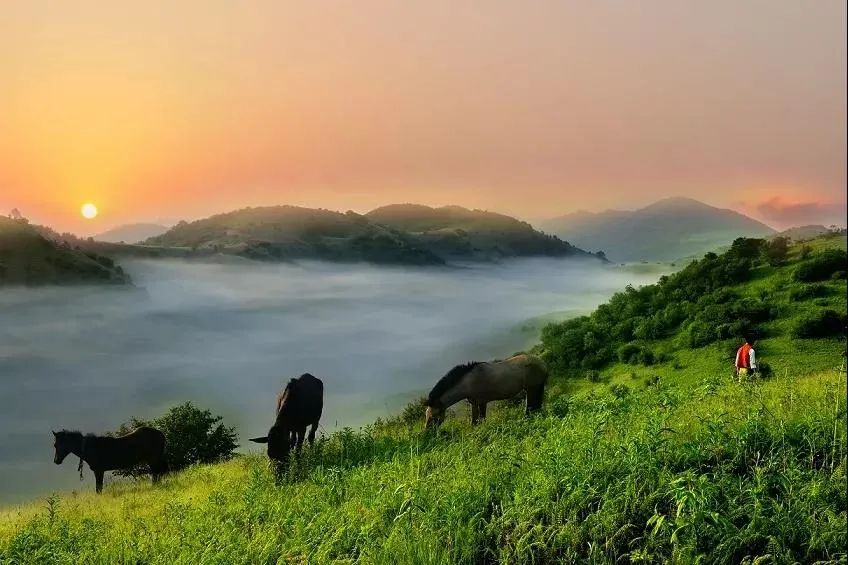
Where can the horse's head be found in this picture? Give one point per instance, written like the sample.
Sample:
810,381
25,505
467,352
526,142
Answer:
433,417
278,440
63,443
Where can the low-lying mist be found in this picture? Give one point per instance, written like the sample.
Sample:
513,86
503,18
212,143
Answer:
228,336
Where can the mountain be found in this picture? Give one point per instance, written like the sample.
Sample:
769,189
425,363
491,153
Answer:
28,257
453,232
288,232
401,234
131,233
664,231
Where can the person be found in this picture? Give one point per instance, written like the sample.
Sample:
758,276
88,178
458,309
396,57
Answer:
746,358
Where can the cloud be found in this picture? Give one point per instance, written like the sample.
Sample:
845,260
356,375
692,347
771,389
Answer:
787,214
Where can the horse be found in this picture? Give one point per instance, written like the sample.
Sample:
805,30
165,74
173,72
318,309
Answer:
106,453
299,405
481,383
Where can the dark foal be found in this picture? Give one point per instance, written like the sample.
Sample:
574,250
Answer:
104,453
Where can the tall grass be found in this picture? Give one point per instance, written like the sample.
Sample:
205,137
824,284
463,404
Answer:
717,472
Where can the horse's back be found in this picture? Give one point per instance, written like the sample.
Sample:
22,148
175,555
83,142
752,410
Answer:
531,367
305,400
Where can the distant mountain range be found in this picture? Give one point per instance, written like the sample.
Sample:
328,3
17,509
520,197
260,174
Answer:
30,256
664,231
131,233
397,234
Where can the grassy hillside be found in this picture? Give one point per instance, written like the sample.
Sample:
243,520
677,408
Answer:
663,231
455,232
674,461
29,258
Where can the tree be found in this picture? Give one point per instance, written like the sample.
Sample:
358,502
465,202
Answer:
776,251
192,436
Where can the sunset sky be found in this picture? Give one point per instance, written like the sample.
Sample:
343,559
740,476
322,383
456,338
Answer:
175,110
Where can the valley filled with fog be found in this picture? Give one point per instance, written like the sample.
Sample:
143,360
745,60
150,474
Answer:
227,336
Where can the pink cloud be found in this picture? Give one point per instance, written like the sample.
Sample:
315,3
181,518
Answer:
784,214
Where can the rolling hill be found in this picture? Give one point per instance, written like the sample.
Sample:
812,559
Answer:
662,460
28,257
401,234
131,233
664,231
454,232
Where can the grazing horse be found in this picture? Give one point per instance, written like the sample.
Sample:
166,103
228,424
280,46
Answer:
480,383
299,405
106,453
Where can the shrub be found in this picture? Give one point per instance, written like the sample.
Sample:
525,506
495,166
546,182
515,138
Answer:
838,275
629,353
805,251
823,323
764,370
593,376
646,357
653,380
821,266
192,436
807,291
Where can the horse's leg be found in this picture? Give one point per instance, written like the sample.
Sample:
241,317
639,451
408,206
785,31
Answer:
98,480
311,437
534,399
482,410
475,413
299,443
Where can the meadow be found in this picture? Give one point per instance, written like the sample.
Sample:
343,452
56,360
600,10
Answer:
670,461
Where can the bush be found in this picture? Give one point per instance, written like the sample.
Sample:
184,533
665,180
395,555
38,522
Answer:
764,369
192,436
807,291
629,353
593,376
823,323
805,251
822,266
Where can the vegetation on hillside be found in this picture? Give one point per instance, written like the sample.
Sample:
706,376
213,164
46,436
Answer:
705,303
676,462
29,258
395,235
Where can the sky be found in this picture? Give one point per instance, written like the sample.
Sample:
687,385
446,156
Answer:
166,111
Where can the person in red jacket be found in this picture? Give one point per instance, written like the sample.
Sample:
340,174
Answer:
746,358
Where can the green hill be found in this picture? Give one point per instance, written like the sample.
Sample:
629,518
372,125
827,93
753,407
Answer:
454,232
664,231
28,257
636,458
403,234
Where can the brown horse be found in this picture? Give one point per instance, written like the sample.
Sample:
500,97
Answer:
481,383
298,406
105,453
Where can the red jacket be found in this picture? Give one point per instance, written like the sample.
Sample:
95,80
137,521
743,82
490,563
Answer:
743,357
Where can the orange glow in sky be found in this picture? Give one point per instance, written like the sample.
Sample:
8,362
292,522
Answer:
166,111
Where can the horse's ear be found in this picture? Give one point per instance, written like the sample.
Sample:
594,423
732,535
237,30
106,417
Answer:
54,433
259,439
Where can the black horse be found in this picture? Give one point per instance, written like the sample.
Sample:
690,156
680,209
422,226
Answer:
299,405
105,453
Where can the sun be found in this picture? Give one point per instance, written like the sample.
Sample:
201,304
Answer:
88,211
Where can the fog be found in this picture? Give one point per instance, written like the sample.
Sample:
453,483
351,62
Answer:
227,336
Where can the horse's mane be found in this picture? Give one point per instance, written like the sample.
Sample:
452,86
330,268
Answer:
450,379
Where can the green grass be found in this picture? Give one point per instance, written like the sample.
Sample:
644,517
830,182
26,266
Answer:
671,463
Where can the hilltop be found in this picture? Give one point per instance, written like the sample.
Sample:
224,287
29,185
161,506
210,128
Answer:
663,231
455,232
401,234
29,257
131,233
647,450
